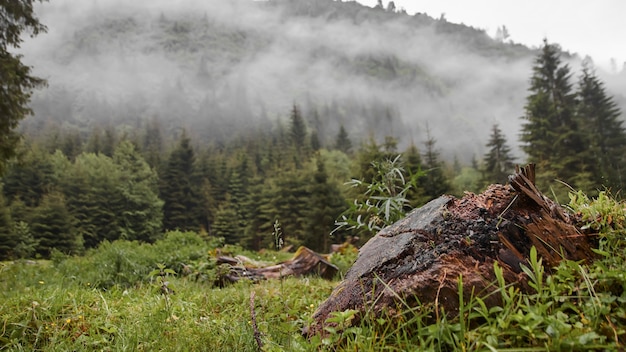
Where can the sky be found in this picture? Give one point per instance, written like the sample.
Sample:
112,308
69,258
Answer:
594,28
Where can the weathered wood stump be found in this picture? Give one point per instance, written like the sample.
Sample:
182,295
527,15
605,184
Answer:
420,258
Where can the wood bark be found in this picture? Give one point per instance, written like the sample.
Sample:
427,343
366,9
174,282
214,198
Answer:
304,262
419,259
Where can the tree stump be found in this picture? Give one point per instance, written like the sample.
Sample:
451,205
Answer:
420,258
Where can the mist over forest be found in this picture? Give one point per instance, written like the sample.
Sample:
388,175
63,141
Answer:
213,67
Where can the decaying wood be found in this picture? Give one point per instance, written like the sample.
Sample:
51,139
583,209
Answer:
304,262
420,258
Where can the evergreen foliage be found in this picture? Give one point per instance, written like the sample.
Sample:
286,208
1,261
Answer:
30,177
434,182
498,162
342,141
140,208
17,82
551,133
178,190
325,204
600,119
52,226
8,239
298,129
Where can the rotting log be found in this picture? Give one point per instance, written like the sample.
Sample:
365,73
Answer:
304,262
419,259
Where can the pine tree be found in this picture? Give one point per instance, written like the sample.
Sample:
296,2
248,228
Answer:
261,214
51,225
139,209
298,129
8,239
434,182
90,189
498,162
412,162
342,141
225,224
18,16
551,134
599,116
30,177
178,190
325,204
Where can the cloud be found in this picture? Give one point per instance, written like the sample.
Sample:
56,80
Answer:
452,79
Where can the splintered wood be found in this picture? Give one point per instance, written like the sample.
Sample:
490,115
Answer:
419,259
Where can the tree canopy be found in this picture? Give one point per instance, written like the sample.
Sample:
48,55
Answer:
17,81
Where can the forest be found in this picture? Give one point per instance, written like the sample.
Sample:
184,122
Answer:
147,144
86,177
69,194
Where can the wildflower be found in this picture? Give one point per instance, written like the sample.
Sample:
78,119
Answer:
68,320
89,284
41,282
312,306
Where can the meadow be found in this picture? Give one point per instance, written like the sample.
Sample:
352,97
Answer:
167,296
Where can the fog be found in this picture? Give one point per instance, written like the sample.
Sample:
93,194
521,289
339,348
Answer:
214,65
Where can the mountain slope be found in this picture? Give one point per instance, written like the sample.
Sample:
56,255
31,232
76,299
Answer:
215,66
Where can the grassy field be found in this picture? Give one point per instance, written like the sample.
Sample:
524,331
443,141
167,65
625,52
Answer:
127,296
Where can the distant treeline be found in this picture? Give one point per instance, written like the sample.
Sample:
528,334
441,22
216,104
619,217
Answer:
69,191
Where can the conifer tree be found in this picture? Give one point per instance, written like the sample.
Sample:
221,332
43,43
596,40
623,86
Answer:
412,162
325,204
599,116
52,226
342,141
18,16
498,162
140,209
298,128
30,177
91,194
8,239
551,134
225,224
261,214
177,189
434,181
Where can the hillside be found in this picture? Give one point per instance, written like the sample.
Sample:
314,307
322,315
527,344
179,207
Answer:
214,66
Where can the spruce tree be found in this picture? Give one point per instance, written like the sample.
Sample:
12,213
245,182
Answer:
434,182
412,162
18,16
139,207
30,177
600,120
551,134
178,190
90,186
342,142
8,239
298,128
52,226
325,204
498,162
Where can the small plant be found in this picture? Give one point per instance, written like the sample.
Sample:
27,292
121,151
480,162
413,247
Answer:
162,285
278,235
385,198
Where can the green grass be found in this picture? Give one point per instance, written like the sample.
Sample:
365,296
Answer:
113,300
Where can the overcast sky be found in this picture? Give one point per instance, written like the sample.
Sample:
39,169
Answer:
595,28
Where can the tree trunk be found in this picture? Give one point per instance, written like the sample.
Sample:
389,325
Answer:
420,258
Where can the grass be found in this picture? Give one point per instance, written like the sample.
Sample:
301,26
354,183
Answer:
127,296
